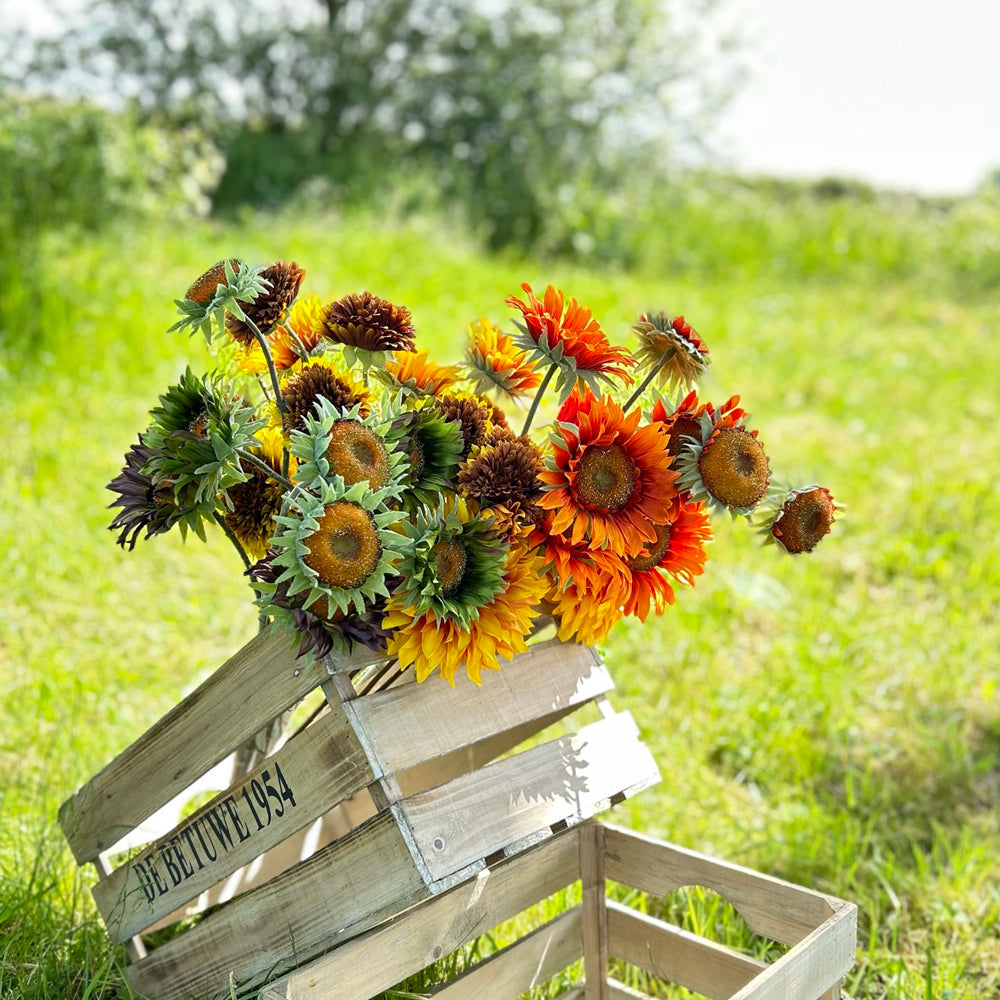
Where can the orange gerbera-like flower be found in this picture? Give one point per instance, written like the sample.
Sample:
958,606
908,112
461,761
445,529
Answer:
679,550
415,370
576,566
570,338
586,618
428,643
496,363
608,480
287,349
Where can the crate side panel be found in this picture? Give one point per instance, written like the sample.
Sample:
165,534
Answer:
349,886
779,910
435,928
528,962
678,956
403,727
570,778
245,693
318,769
814,965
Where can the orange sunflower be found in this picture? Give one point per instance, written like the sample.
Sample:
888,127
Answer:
608,480
428,643
571,339
415,370
586,618
576,565
685,420
679,551
496,363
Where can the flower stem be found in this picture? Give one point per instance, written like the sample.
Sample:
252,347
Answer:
262,340
221,522
264,467
301,349
537,399
651,374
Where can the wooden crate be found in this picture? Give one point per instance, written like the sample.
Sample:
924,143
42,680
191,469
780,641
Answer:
395,793
819,930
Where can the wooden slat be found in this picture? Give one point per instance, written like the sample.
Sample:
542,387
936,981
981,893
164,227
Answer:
531,961
342,890
402,728
434,929
593,880
779,910
246,692
814,965
321,767
570,778
676,955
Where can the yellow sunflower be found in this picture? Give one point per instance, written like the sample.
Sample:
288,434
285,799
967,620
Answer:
428,643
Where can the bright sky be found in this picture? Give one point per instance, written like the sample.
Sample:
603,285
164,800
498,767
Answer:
904,93
900,92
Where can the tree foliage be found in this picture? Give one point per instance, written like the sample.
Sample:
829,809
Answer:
506,102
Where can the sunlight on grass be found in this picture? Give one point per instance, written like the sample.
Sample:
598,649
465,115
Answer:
832,720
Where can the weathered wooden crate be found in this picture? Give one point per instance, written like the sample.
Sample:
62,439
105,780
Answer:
819,930
394,793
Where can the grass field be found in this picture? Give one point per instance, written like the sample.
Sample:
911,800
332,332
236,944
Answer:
834,720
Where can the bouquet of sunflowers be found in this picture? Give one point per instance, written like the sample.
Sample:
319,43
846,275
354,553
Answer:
380,499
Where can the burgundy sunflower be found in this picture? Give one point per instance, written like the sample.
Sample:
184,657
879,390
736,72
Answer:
608,480
366,322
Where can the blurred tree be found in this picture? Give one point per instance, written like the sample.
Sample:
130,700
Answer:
510,102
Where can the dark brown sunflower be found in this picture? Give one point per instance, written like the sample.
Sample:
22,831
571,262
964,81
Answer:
316,382
269,308
365,321
503,473
254,504
203,287
734,467
473,415
804,519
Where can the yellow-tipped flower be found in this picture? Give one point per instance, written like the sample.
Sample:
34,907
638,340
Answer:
497,363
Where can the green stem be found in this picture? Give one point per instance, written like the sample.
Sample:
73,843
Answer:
264,467
537,399
221,522
262,340
649,378
303,351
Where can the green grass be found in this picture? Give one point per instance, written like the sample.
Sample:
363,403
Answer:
834,720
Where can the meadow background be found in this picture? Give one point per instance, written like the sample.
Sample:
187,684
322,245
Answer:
833,720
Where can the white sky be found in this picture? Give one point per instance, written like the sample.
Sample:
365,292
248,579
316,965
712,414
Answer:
904,93
899,92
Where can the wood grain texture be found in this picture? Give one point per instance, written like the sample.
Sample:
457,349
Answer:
341,891
593,880
676,955
435,928
619,991
403,727
814,966
244,694
530,961
320,768
570,778
779,910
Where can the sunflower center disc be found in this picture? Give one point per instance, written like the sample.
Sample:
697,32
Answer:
653,551
734,467
606,477
449,562
344,551
358,455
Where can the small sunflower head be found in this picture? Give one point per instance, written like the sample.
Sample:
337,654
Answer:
267,310
368,326
413,371
672,347
433,446
224,288
476,417
320,382
805,516
146,504
253,505
452,565
337,545
345,446
204,287
727,467
496,364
